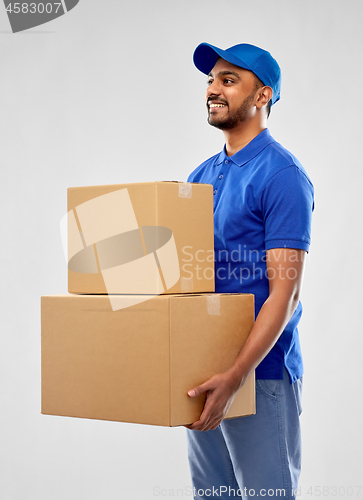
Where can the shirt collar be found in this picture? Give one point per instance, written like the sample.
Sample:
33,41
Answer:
247,153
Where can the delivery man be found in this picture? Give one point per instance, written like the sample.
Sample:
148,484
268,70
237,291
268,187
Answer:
263,202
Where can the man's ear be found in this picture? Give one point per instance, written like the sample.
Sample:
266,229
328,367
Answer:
264,95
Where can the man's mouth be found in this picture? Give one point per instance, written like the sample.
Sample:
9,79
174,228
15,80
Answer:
215,105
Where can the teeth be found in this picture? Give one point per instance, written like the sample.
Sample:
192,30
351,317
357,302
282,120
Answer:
211,105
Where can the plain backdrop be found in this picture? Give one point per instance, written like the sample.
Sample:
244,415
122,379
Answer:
108,93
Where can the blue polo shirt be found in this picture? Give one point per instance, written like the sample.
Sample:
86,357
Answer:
263,199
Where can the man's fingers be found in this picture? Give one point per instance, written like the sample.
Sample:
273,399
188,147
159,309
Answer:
197,391
205,419
213,424
213,410
201,425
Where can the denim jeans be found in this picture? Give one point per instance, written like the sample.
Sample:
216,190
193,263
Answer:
254,456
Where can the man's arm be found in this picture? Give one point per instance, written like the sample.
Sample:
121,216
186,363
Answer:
285,271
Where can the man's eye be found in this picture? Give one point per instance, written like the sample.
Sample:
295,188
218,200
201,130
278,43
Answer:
209,82
227,80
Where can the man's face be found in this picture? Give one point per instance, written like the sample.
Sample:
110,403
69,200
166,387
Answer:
230,95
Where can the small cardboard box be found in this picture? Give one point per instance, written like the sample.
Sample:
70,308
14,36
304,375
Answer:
140,238
136,364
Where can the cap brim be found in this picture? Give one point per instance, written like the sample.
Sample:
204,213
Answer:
205,56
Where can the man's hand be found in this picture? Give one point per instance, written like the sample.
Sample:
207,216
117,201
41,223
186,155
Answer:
220,390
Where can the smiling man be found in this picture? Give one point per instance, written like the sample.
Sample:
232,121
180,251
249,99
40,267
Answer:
263,201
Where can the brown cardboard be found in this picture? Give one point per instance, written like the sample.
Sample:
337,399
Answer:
113,246
136,364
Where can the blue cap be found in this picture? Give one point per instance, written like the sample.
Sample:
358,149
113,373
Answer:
246,56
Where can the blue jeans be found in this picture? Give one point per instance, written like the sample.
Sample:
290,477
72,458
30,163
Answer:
255,456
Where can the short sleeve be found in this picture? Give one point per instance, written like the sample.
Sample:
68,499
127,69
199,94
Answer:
287,203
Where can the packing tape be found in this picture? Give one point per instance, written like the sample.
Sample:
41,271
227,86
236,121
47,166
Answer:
186,284
185,190
214,304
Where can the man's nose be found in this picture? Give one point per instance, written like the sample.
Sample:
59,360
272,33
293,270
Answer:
213,89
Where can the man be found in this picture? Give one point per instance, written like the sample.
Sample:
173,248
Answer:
263,201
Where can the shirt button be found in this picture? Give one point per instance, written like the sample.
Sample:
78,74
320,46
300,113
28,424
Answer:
226,162
221,176
215,191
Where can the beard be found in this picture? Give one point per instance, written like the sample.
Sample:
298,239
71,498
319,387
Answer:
234,119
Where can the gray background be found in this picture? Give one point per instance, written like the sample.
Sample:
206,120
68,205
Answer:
108,94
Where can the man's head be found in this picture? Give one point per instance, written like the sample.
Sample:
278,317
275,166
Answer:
234,96
245,56
252,72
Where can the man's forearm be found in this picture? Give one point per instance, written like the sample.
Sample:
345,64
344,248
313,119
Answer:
270,323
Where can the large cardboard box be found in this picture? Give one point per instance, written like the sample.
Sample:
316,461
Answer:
137,363
140,238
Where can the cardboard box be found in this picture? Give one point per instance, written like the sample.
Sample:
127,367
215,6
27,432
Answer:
136,364
141,238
